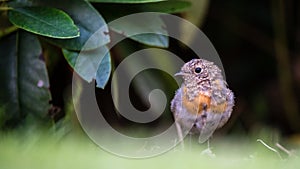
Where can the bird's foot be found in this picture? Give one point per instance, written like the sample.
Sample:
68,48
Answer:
208,152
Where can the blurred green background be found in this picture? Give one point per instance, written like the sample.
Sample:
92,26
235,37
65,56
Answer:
258,43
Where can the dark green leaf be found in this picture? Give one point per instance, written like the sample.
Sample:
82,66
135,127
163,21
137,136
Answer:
86,63
173,6
44,21
157,40
71,57
146,28
10,109
24,80
149,23
103,71
126,1
86,18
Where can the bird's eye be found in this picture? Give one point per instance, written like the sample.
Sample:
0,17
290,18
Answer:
198,69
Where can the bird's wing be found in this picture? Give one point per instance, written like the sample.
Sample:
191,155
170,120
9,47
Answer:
229,106
218,114
182,111
210,125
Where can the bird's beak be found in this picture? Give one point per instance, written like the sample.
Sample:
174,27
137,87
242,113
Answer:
179,74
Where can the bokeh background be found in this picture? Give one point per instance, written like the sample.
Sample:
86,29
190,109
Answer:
258,42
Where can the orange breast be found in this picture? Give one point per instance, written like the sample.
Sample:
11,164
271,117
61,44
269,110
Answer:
196,105
201,102
219,108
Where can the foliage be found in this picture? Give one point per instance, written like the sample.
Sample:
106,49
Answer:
67,24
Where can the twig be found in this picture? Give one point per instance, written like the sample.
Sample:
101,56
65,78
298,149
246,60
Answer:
284,149
269,147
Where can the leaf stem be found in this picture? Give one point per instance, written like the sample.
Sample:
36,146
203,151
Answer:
7,31
5,8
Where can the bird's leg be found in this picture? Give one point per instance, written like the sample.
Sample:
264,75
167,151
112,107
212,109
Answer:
208,151
208,144
179,133
190,141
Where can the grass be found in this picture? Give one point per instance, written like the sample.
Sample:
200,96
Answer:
43,151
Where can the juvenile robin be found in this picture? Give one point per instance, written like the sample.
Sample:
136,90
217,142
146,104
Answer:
204,102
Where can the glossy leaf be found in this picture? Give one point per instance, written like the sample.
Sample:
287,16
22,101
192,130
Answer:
44,21
148,23
93,64
24,80
71,57
86,18
103,71
126,1
173,6
148,29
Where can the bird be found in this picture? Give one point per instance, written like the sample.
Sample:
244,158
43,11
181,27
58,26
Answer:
203,102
